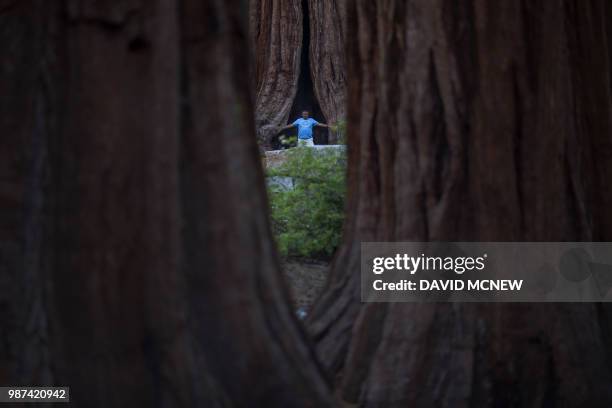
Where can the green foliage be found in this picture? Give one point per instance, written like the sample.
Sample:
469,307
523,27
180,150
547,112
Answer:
307,220
287,141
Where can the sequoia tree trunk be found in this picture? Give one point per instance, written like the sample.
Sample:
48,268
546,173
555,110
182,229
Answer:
327,53
472,121
137,262
276,29
276,35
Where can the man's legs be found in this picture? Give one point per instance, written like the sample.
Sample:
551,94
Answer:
305,142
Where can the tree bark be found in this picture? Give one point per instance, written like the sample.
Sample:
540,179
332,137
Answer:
128,235
327,66
23,150
240,305
276,32
472,121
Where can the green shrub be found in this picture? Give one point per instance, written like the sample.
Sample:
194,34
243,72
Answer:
287,141
307,220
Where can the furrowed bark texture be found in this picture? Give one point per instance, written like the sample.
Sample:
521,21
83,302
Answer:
276,29
276,32
129,237
327,66
472,121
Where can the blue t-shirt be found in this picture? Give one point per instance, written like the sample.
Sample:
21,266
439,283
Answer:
305,127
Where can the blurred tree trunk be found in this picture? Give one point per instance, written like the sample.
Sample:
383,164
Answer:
276,34
242,322
472,121
327,53
23,154
134,208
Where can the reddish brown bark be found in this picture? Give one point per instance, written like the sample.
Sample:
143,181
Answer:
327,67
276,33
472,121
128,255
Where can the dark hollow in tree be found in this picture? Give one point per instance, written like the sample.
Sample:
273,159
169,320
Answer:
305,98
472,121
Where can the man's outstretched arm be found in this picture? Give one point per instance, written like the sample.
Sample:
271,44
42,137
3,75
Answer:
324,125
289,126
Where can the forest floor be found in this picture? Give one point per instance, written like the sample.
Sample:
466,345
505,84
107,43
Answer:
306,280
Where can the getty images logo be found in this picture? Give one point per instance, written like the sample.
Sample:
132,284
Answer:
413,264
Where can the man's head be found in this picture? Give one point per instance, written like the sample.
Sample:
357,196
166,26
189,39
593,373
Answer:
305,114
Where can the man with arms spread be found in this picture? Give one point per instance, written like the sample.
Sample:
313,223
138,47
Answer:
305,125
